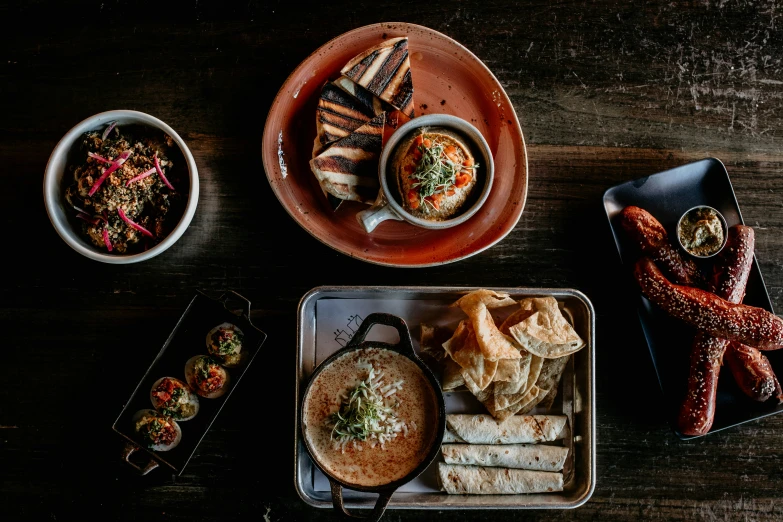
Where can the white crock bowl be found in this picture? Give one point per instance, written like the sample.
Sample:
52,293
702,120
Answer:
56,206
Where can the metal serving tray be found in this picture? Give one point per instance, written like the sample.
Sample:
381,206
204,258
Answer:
575,399
185,341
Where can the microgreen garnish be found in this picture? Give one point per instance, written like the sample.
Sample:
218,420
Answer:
436,173
367,412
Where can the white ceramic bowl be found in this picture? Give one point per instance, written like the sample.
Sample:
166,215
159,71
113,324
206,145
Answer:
53,188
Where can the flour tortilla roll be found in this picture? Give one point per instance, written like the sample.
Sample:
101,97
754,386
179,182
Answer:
517,429
457,479
539,457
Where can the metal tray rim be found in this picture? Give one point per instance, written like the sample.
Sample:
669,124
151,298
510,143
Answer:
318,290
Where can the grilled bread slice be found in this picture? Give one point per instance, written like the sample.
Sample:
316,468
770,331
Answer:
348,169
338,114
365,97
385,71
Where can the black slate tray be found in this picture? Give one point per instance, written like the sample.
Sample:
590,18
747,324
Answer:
186,340
666,195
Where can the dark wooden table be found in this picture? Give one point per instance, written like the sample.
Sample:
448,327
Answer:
605,92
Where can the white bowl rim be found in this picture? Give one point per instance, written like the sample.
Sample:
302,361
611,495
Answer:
63,147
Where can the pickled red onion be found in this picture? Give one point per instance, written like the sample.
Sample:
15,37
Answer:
160,172
133,224
98,157
140,176
86,217
108,130
106,239
118,161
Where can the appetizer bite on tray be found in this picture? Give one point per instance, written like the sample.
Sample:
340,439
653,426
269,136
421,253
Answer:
126,190
224,342
709,298
156,431
206,376
173,398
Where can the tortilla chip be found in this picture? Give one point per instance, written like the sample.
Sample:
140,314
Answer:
494,345
431,341
513,403
481,395
527,408
551,371
546,333
518,369
458,338
472,361
488,298
452,375
516,317
517,408
549,399
503,401
536,363
549,379
520,382
508,370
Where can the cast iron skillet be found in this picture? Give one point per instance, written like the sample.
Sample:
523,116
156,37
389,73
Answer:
404,347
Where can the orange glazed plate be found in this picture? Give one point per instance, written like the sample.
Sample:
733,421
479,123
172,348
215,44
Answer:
448,79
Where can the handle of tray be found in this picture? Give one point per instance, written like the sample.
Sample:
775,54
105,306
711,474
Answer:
229,294
375,515
128,450
405,345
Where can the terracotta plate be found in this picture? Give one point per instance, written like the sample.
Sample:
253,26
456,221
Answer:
447,78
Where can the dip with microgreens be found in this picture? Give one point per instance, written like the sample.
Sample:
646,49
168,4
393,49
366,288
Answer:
370,417
436,172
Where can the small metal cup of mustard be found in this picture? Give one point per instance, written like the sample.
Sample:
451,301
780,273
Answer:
702,231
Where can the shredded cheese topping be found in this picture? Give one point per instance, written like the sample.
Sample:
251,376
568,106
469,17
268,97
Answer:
367,412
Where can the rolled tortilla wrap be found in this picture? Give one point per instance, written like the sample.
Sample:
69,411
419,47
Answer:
457,479
537,457
449,437
485,429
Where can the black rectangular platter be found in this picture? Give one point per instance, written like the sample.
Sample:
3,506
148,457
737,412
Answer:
667,195
186,340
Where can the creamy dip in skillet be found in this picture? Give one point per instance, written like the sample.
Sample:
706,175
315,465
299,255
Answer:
382,459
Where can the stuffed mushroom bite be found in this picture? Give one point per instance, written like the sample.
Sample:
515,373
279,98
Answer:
155,430
173,397
225,343
205,375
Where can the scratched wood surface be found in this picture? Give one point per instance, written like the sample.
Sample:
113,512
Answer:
605,91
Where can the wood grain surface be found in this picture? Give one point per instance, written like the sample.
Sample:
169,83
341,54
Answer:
606,91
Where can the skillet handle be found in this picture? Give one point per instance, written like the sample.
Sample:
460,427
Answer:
128,450
374,516
404,346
